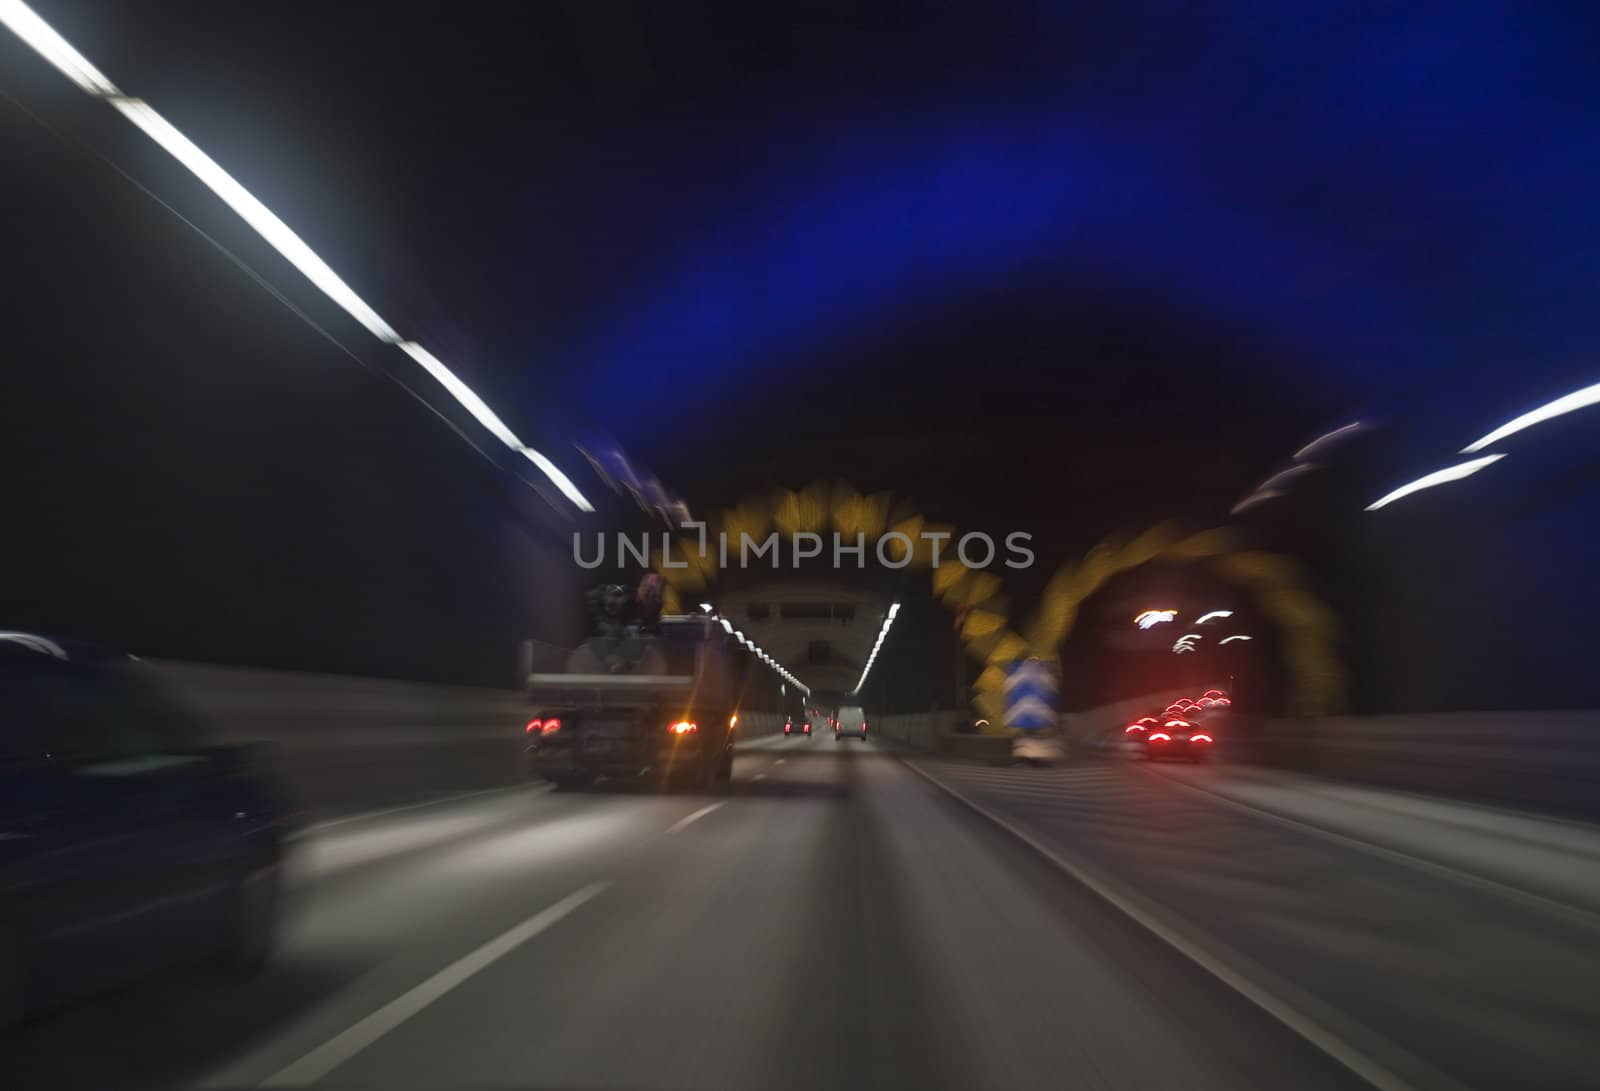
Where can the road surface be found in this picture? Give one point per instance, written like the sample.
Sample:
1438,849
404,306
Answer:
834,921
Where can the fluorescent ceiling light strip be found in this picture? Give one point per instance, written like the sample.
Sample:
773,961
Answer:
557,478
1438,477
1578,399
41,36
56,50
253,212
462,393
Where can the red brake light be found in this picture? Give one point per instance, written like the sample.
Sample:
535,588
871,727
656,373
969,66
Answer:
1160,736
1199,738
551,726
543,727
533,725
1178,723
683,727
1132,728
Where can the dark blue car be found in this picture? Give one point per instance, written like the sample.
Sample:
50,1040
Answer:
130,837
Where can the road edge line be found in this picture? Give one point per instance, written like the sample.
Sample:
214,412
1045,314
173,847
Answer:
1576,915
1267,1000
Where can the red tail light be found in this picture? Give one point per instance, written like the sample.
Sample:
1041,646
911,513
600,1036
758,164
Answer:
543,727
1131,728
1199,738
533,725
683,727
1160,736
1178,723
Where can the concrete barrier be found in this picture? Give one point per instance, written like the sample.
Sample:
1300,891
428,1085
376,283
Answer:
922,730
347,743
1546,761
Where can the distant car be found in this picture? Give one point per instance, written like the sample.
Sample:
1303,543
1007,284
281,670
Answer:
130,837
1178,738
1142,725
792,728
850,723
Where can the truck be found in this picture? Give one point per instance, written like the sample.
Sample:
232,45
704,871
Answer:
658,706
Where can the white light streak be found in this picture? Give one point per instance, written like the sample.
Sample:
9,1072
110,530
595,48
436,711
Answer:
462,393
1328,438
1438,477
55,49
257,215
1231,639
1284,475
1253,499
1578,399
1203,618
35,643
1151,618
557,478
883,632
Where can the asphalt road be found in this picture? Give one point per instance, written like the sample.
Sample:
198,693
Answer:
833,921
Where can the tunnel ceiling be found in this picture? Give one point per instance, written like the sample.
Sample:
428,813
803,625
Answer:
1065,269
1069,241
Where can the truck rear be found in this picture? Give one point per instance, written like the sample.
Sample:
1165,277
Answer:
667,717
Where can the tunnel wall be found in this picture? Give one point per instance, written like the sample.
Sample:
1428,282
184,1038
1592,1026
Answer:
346,743
1545,761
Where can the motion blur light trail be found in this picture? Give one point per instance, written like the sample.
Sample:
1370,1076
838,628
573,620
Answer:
55,49
1578,399
1438,477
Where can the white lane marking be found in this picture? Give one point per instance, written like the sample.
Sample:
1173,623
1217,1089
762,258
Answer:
760,776
363,816
1373,1071
697,816
346,1044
